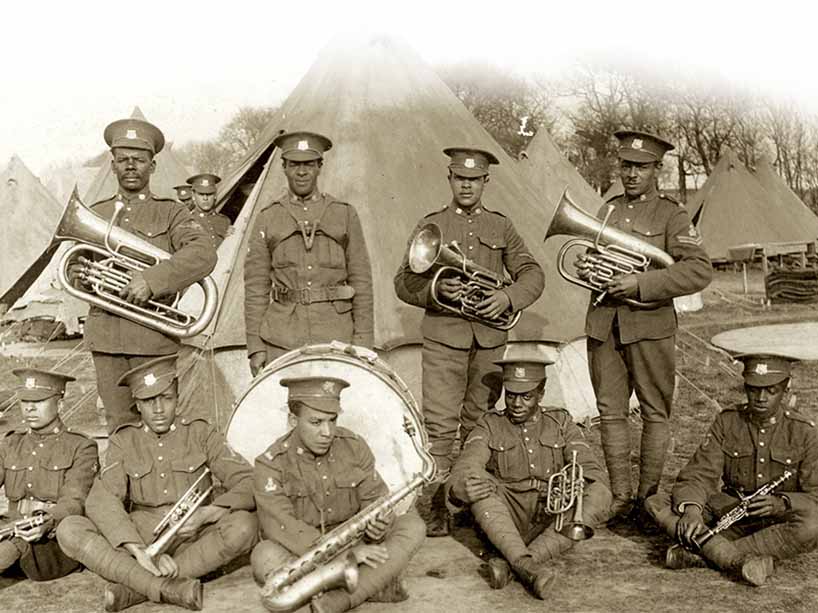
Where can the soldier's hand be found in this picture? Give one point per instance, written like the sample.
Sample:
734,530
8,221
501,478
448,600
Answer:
495,305
690,525
137,291
449,288
376,529
144,560
75,269
478,488
201,518
371,555
35,533
583,266
623,286
767,506
257,361
167,566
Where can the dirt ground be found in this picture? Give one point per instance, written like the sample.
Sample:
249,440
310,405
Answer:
619,570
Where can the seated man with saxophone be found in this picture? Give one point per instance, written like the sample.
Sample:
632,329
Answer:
317,477
47,471
156,474
524,472
749,494
459,351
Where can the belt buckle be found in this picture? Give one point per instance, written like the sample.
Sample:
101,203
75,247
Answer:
304,296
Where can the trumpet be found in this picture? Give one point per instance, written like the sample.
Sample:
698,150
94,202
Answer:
565,490
12,528
427,252
610,252
178,515
107,257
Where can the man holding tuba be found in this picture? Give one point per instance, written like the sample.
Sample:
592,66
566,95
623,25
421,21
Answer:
150,466
458,353
118,344
760,456
519,471
47,471
630,347
314,478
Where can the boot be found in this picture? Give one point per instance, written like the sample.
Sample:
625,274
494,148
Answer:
677,557
438,523
621,509
119,597
617,450
499,573
182,592
394,591
655,442
535,577
755,570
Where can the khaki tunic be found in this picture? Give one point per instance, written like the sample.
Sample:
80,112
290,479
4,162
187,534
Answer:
215,225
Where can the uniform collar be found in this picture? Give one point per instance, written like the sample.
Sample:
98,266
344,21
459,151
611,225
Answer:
56,428
534,419
770,421
651,194
477,209
147,430
301,451
142,196
314,197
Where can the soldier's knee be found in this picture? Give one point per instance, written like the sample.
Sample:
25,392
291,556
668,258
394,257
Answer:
805,532
266,557
412,525
241,532
72,532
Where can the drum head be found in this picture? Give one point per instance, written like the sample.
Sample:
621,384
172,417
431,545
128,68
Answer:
377,405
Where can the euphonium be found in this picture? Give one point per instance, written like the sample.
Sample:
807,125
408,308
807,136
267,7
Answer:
610,252
118,255
565,490
178,516
427,252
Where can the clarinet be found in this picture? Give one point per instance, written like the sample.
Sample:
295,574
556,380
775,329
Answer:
740,511
10,529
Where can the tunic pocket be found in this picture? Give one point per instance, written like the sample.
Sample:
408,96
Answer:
139,471
508,459
15,478
738,466
784,459
51,476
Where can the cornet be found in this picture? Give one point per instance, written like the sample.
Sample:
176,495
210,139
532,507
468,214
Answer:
610,252
107,257
565,490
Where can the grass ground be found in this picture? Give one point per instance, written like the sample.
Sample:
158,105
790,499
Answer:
614,571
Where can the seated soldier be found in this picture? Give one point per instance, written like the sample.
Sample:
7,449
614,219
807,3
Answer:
47,470
316,477
149,466
747,447
503,471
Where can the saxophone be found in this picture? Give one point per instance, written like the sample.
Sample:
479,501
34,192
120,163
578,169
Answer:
328,564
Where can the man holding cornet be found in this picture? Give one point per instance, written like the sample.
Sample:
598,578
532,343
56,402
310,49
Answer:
631,329
533,485
150,466
47,471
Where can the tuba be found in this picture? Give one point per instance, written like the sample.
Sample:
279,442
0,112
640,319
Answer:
427,252
610,252
108,256
565,490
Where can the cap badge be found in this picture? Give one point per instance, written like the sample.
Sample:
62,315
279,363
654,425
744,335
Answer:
637,143
130,134
205,182
150,379
303,145
761,369
328,387
519,372
469,163
31,383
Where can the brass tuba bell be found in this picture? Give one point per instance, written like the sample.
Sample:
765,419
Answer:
610,252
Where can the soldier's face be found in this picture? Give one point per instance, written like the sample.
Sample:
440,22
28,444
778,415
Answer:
763,401
302,177
521,407
316,429
204,202
40,414
467,191
638,177
159,411
132,168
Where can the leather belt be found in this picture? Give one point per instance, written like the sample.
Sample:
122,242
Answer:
528,485
309,295
27,506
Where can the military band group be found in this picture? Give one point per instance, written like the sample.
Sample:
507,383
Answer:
524,472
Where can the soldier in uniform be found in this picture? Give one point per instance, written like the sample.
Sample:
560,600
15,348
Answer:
215,224
503,472
117,344
316,477
149,466
632,348
307,277
747,447
184,195
46,469
460,378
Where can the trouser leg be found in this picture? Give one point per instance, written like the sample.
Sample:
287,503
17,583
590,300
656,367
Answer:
268,556
503,517
796,535
273,352
44,561
233,535
10,551
484,386
652,366
445,375
116,399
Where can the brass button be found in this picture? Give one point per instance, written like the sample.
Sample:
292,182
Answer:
761,444
160,458
761,460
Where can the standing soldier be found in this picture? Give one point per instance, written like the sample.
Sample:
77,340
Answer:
149,466
307,277
215,224
503,475
459,354
632,348
117,344
185,196
47,470
748,447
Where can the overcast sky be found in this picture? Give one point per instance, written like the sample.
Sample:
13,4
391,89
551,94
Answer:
71,68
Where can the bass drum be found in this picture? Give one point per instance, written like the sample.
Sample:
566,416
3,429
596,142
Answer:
377,405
